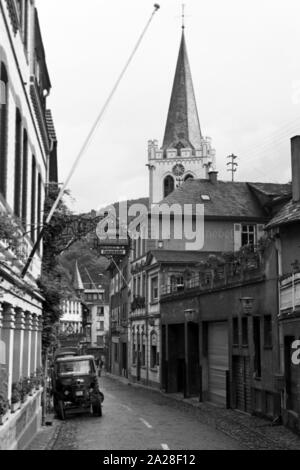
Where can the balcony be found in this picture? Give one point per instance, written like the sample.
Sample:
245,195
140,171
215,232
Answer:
290,294
217,273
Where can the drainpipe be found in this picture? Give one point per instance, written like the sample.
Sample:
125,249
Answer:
280,359
147,330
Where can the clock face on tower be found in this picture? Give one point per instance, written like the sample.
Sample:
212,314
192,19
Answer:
178,170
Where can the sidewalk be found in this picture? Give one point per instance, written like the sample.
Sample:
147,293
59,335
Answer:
250,431
47,436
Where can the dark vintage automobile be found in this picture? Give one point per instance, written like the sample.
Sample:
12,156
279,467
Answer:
76,386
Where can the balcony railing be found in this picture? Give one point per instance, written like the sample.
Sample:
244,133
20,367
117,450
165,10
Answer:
218,277
139,303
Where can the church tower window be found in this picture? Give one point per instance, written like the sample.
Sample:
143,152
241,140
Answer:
169,185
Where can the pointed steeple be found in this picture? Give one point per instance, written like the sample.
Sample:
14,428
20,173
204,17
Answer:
183,125
77,281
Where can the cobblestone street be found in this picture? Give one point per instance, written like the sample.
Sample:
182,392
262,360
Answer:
138,419
135,418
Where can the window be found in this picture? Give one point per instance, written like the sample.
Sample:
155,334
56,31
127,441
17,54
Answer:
188,177
245,331
100,341
257,344
100,311
268,341
134,352
25,179
205,197
144,351
33,198
248,235
177,282
3,128
100,326
144,286
154,355
39,203
18,165
154,289
25,24
235,327
169,185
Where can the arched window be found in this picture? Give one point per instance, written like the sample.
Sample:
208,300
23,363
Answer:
188,177
3,128
169,185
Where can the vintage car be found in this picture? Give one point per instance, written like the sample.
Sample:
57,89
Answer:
63,352
76,386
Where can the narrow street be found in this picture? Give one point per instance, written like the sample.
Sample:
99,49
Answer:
138,419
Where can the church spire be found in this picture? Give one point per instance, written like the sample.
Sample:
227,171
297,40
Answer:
183,126
77,281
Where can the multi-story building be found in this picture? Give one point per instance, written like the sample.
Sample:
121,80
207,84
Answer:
284,229
27,153
95,300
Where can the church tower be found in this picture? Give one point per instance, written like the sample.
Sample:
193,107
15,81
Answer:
185,153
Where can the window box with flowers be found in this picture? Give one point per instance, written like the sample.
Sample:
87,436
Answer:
31,385
38,379
25,389
4,404
4,411
15,397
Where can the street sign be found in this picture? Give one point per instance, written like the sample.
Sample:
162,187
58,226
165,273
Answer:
113,251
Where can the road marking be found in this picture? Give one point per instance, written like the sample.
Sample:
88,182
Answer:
165,447
146,423
108,395
127,408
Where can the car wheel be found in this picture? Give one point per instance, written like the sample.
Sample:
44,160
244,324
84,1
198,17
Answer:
61,410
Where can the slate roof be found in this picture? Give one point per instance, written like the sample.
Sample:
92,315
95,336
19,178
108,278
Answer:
77,280
183,126
289,214
227,199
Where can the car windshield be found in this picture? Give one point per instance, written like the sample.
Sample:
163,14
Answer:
75,367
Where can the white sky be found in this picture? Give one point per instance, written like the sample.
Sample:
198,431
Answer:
245,61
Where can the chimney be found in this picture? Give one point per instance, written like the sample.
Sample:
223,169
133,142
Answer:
213,176
295,141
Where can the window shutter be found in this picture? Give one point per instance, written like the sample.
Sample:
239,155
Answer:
237,237
260,232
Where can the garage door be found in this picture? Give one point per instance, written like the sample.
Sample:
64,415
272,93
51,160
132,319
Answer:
218,362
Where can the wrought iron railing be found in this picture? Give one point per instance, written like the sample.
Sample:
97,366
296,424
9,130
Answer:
217,277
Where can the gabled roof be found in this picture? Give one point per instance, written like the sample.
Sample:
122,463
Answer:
176,257
226,199
183,126
289,214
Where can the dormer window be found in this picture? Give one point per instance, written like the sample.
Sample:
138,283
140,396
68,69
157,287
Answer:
205,197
